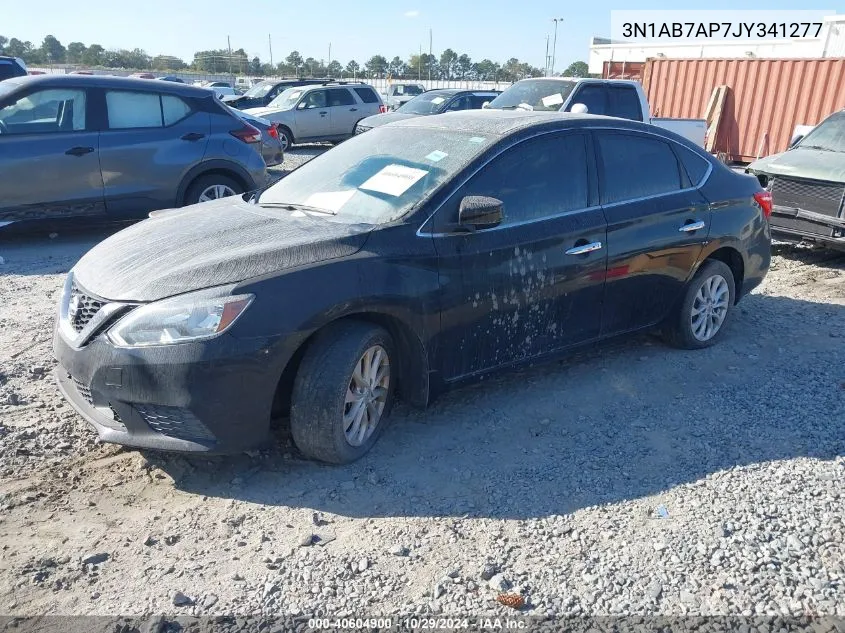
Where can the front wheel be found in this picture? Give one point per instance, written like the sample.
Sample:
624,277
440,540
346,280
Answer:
212,187
700,320
343,392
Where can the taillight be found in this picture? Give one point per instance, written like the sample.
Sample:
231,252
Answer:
764,199
274,130
382,109
247,134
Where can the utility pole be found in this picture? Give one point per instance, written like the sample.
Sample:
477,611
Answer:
546,72
330,59
430,56
554,48
270,41
229,44
419,65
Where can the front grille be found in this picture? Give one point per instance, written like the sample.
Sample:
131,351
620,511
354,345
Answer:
84,391
820,197
82,308
174,422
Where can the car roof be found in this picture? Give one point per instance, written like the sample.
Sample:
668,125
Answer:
505,122
581,79
106,81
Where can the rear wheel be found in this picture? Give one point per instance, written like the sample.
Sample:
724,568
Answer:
708,302
285,138
343,392
212,187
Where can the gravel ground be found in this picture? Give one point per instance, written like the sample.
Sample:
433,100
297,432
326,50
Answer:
630,478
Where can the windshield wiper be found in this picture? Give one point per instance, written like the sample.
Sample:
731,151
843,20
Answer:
824,149
288,206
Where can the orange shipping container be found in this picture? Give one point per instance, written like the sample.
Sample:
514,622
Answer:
766,99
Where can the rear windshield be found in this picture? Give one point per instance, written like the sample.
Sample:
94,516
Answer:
829,135
547,95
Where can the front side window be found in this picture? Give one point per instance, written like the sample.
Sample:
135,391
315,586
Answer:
593,96
459,103
44,112
536,179
624,102
340,97
314,99
636,167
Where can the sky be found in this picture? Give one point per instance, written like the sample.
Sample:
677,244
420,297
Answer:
494,29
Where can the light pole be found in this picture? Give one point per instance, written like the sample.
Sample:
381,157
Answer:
546,72
554,48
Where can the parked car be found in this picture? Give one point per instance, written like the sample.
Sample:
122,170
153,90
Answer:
244,83
431,102
416,257
142,76
271,144
261,94
327,112
11,67
399,94
611,97
807,183
115,148
172,78
223,91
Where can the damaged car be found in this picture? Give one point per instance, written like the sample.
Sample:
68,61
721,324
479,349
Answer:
422,255
807,183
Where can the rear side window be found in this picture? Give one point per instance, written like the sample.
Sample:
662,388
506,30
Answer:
340,97
127,110
624,102
636,167
592,96
367,95
695,165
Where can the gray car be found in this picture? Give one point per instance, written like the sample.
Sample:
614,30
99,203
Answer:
431,102
271,144
399,94
118,148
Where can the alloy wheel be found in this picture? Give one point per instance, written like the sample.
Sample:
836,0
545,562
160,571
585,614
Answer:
710,307
215,192
366,395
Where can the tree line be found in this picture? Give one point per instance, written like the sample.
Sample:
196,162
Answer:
450,65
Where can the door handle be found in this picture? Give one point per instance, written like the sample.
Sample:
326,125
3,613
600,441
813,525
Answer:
353,109
79,151
584,248
697,225
192,136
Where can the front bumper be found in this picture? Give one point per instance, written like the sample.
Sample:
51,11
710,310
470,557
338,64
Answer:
212,397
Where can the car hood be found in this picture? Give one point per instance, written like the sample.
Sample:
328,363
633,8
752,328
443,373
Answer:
384,119
804,163
210,244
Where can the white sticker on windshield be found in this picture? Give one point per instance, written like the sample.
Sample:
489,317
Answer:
477,139
555,99
329,200
436,156
394,180
438,100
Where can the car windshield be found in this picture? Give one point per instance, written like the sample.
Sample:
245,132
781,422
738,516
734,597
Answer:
538,94
829,135
426,103
376,177
259,90
286,100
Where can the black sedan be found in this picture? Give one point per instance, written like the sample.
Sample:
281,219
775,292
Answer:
415,257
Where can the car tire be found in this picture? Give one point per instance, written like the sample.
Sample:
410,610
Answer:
700,320
285,138
210,185
338,391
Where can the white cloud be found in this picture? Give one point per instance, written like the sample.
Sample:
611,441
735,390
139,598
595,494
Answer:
412,14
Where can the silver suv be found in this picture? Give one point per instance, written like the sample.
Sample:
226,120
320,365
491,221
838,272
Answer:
326,112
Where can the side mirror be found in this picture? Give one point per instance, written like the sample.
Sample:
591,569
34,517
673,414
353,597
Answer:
485,105
479,212
302,105
795,140
579,108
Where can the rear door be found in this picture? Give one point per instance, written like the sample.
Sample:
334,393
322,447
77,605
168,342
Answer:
49,156
657,224
313,116
148,144
345,111
623,101
534,283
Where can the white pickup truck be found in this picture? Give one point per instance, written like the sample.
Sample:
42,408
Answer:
610,97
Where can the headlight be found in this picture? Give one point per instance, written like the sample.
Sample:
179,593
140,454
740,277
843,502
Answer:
192,317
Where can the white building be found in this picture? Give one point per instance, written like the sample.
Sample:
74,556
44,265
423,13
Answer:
829,43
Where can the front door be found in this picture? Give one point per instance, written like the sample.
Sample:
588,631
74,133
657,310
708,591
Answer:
657,225
49,157
313,116
149,144
534,283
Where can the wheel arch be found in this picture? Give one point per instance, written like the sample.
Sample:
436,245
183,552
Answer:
221,167
413,380
733,259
